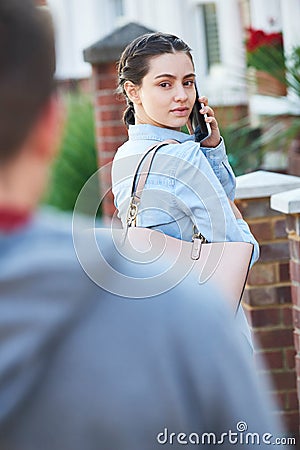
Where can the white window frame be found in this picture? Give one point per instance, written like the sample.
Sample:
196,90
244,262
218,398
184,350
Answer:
225,84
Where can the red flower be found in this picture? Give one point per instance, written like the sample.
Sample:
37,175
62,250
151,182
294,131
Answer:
258,38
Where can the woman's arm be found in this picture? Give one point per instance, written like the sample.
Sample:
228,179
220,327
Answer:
237,213
219,163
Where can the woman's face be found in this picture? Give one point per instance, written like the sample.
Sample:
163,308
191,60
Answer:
167,94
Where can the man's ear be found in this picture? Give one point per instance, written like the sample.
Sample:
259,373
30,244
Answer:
132,92
45,137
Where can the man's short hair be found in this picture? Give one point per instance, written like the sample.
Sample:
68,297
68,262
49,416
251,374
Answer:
27,66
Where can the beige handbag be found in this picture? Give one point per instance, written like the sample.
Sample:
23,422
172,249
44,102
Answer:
225,265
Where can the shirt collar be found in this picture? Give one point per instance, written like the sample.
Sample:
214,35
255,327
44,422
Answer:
153,133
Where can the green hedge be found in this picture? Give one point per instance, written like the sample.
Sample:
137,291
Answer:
77,159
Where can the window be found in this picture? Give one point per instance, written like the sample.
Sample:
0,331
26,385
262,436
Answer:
211,34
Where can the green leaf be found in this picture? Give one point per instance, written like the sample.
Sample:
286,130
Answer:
244,150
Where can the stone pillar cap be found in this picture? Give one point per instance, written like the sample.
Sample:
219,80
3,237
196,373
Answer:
111,46
287,202
264,184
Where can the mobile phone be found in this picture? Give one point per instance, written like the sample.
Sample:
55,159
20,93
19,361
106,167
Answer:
201,128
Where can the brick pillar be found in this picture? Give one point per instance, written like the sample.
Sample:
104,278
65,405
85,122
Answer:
289,203
267,299
109,107
110,130
293,227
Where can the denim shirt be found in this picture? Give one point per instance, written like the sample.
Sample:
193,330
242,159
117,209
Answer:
188,185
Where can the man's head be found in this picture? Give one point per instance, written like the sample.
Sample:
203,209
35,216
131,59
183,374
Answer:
30,112
27,68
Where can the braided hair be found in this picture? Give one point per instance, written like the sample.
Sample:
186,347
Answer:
134,62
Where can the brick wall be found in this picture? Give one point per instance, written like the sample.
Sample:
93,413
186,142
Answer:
293,227
110,131
268,304
294,156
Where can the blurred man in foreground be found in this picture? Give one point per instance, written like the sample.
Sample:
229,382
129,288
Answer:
80,368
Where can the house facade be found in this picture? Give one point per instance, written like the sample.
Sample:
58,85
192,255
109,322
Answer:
215,30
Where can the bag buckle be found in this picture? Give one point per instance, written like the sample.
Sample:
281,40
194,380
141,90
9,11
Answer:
132,214
197,239
198,235
196,248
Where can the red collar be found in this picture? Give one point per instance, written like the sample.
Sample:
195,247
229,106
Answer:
11,219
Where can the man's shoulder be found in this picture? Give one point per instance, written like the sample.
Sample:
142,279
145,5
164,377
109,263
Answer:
50,224
53,221
44,246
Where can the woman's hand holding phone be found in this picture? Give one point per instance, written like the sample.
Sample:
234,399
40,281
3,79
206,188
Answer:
213,140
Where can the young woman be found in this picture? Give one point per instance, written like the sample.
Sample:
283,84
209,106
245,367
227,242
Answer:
191,183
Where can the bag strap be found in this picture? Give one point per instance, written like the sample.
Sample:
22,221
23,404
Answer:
139,180
140,177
